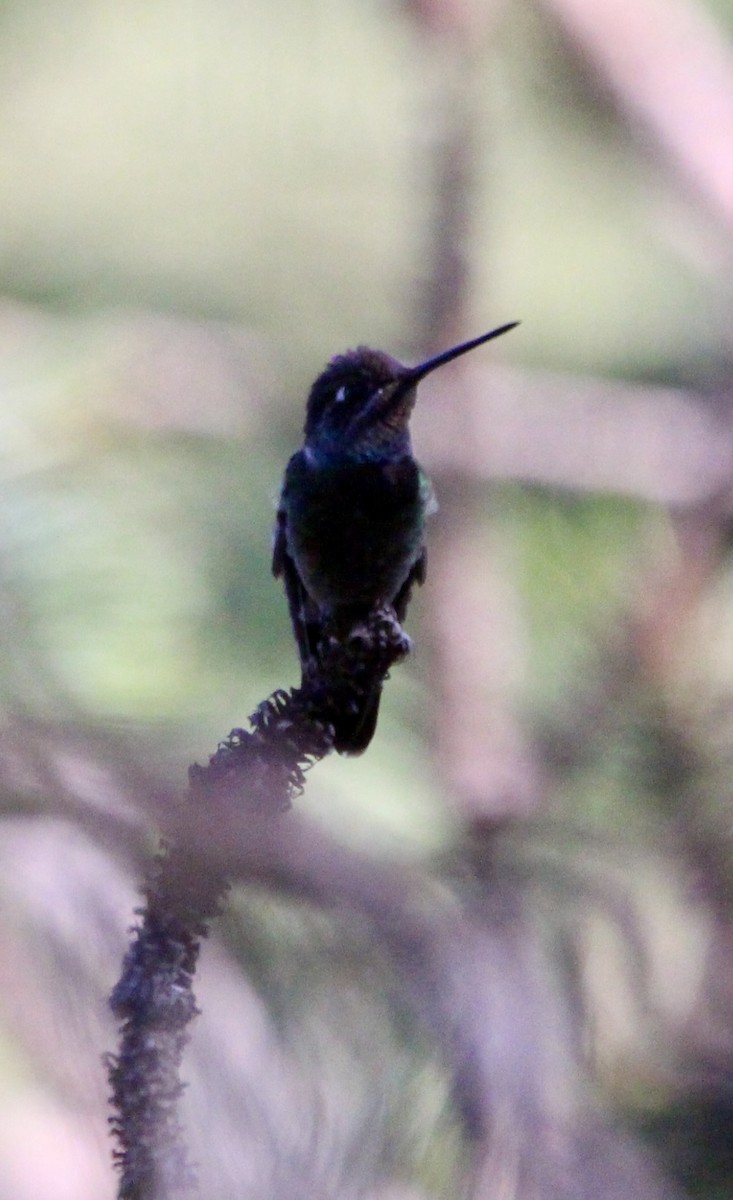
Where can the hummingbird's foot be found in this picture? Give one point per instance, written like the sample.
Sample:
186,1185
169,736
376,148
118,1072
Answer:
389,635
378,635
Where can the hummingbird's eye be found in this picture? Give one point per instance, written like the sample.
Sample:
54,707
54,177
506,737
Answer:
340,394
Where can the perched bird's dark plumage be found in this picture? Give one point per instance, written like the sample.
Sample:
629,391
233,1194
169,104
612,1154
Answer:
350,532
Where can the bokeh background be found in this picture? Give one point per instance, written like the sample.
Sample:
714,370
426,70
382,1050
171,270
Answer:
494,956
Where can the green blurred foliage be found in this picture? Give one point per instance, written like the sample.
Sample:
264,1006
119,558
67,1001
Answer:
260,162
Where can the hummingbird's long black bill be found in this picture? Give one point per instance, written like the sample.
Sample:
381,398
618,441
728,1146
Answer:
409,377
415,374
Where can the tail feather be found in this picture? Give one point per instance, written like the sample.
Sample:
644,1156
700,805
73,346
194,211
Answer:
354,731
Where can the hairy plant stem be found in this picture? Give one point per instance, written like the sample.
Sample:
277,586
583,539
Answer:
262,769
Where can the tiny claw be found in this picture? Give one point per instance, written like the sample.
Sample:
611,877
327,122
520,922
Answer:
404,646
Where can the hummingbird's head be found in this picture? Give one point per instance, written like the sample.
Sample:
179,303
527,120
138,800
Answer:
361,403
358,404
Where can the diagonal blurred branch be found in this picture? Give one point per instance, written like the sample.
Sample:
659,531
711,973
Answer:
670,67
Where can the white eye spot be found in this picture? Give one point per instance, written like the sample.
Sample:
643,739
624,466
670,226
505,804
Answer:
341,394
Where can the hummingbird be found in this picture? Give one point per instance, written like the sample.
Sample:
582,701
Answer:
350,530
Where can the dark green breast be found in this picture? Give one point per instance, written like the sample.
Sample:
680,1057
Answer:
354,529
